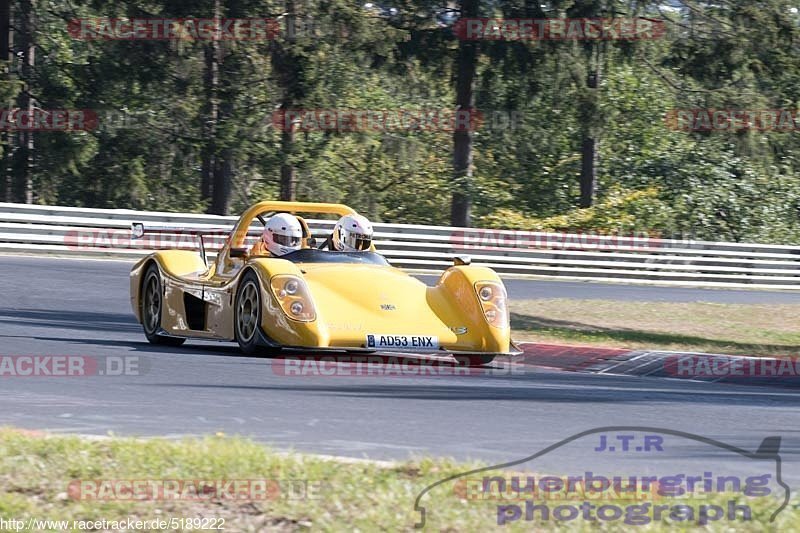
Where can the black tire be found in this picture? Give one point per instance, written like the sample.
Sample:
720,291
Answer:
247,313
474,360
152,299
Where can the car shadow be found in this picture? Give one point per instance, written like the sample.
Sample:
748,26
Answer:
534,387
85,320
125,323
229,349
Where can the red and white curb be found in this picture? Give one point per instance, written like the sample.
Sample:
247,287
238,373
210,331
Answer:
745,370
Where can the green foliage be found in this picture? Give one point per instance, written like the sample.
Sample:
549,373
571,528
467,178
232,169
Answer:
152,99
621,212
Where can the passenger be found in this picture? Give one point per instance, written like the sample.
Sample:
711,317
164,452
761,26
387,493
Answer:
352,233
282,235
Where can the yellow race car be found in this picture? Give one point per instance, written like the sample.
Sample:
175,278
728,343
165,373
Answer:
316,300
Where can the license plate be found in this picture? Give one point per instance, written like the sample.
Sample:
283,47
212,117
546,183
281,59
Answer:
402,342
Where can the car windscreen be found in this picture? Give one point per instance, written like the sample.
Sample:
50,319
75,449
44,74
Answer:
312,255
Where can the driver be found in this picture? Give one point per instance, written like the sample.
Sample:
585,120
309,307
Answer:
352,233
282,235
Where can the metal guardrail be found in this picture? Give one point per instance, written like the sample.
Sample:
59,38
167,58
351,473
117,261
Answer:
84,232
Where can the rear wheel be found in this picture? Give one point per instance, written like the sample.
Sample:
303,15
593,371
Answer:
474,360
152,302
247,314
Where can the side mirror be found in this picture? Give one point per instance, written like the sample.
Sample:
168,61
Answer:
238,252
312,242
461,260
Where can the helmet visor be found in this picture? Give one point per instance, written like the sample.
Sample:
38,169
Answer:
358,241
286,240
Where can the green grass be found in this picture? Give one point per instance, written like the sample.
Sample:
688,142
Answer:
742,329
36,471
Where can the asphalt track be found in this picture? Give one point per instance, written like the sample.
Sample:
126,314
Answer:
76,307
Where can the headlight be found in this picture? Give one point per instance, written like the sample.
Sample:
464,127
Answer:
492,296
294,297
291,287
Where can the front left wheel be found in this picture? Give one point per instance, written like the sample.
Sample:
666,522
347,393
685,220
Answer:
247,314
152,302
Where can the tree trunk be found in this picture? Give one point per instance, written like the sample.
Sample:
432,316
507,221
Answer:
5,63
225,93
590,142
286,66
223,167
5,174
588,179
462,137
22,163
210,112
5,30
288,181
223,178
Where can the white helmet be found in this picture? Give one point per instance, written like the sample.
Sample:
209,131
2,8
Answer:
352,233
282,234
